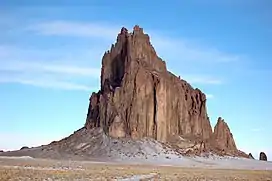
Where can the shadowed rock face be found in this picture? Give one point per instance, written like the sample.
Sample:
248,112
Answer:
263,156
139,98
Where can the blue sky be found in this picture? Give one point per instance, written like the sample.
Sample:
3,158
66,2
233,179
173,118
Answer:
50,58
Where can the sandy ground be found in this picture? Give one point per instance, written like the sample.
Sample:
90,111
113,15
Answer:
26,168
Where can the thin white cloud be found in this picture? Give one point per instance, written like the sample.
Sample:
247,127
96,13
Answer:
188,51
15,67
25,69
66,28
57,76
166,46
49,68
209,96
46,83
256,129
202,79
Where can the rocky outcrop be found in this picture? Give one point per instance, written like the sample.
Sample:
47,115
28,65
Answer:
24,148
263,156
222,136
250,156
139,98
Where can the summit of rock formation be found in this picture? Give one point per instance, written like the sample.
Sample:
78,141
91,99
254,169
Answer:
139,98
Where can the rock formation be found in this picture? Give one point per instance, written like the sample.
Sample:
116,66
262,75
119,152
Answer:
139,98
223,136
263,156
251,156
24,148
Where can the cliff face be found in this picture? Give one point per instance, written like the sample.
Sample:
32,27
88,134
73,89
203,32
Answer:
140,98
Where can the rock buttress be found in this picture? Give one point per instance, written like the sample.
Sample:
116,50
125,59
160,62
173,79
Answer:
222,136
140,98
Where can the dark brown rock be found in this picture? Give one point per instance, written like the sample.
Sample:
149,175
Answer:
142,97
250,156
139,98
24,148
1,151
263,156
222,136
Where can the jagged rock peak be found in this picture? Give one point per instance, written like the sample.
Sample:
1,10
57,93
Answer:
130,48
138,29
124,31
223,136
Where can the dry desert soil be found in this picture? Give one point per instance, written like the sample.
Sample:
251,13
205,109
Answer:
24,169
